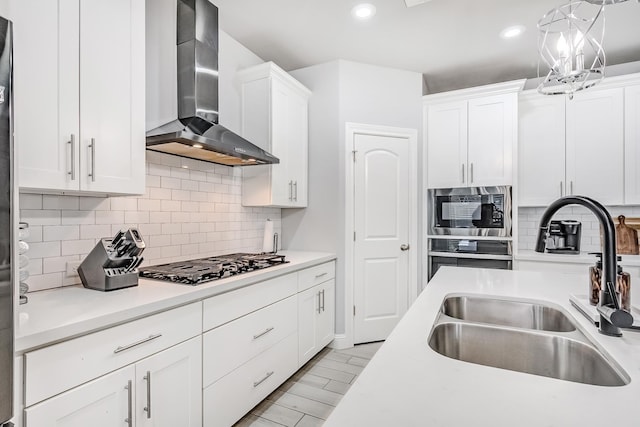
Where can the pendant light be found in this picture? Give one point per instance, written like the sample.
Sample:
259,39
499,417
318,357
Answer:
570,44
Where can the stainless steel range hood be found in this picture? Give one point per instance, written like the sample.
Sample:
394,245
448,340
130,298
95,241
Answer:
196,133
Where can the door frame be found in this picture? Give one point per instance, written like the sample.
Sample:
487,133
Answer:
351,130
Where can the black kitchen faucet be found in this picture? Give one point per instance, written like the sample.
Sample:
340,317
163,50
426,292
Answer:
612,317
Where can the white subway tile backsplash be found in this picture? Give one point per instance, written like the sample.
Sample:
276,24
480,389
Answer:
109,217
40,217
60,232
94,204
60,202
185,213
30,201
77,247
529,218
124,203
78,217
94,231
44,249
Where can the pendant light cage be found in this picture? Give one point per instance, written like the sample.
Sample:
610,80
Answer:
570,44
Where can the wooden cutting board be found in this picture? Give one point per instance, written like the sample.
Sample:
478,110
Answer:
626,238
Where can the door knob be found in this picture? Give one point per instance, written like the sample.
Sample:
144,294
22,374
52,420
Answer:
404,247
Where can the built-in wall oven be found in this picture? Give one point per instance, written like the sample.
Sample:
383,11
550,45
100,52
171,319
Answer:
469,227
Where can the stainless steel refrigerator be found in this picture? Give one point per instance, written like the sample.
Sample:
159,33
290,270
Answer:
7,262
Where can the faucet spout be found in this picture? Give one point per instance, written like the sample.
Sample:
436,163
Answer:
612,317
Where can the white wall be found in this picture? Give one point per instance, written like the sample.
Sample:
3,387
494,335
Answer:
344,91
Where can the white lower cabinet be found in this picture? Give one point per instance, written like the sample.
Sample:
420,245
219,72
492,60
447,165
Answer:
169,387
162,390
105,402
228,399
164,371
316,314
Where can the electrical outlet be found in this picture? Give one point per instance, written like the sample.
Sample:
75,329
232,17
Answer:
72,268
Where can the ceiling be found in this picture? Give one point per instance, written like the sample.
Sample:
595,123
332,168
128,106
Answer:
453,43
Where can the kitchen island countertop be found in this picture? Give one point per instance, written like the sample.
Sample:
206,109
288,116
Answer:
409,384
54,315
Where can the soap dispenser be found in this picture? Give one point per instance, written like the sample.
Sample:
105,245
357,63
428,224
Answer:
623,287
595,279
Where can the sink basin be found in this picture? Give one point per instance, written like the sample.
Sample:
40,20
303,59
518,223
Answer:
519,314
530,352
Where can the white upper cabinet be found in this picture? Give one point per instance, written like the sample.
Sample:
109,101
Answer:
470,136
447,138
79,95
275,118
595,145
492,134
571,147
632,144
541,153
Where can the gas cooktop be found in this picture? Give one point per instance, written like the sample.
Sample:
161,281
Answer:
202,270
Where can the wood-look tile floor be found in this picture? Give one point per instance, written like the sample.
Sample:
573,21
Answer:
308,397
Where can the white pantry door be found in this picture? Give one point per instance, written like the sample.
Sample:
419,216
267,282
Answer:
381,223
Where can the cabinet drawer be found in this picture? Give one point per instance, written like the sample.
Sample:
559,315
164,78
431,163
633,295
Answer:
224,308
229,346
312,276
227,400
59,367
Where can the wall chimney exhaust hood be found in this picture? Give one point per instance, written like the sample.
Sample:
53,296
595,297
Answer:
196,133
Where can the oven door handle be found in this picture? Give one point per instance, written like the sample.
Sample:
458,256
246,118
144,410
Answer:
471,255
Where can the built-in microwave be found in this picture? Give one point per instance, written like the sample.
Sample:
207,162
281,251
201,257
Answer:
470,211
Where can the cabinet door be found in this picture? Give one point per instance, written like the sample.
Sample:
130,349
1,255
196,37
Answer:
308,311
446,144
104,402
281,139
541,149
112,138
326,318
595,145
46,115
169,387
632,145
297,156
492,132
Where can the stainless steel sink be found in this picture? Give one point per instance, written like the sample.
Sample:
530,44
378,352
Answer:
548,355
520,314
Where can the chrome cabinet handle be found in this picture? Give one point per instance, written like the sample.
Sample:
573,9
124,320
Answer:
72,143
290,190
463,173
147,409
142,341
92,147
319,306
257,383
404,247
263,333
295,197
571,186
321,275
471,172
129,419
323,300
561,189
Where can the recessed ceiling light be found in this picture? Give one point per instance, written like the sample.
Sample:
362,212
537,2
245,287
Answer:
511,32
363,11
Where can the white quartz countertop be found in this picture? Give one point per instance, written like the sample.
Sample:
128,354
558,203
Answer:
409,384
581,258
55,315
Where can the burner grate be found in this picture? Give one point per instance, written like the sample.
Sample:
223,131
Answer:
202,270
